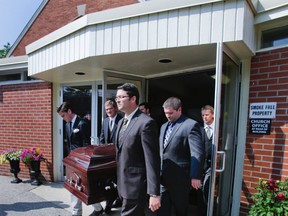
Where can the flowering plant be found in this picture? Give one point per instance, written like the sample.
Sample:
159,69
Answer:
9,154
28,155
271,199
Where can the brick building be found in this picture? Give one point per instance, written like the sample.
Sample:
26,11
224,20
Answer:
229,54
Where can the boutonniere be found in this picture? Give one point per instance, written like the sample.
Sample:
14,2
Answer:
76,130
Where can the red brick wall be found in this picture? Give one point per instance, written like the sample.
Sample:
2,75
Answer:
58,13
26,122
267,155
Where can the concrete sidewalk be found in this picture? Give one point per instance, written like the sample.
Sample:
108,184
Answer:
47,199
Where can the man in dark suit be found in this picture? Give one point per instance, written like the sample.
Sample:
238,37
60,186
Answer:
207,113
110,123
137,155
182,154
78,135
107,135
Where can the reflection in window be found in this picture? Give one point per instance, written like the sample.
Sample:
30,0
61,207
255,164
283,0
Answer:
274,37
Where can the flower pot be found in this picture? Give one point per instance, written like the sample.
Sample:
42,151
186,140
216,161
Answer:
15,169
35,172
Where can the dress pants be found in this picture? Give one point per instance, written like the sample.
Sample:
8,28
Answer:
77,206
176,199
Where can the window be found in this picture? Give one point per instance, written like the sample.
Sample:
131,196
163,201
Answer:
274,37
13,77
10,77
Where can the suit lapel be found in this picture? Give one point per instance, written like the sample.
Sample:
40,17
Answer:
174,131
128,129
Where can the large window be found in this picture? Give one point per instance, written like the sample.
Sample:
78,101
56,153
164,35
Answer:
274,37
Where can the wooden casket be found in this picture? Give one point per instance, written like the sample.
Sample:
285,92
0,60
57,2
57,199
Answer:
91,172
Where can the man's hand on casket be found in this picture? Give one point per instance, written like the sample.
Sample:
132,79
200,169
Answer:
154,203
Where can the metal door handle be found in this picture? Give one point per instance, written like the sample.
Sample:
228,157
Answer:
223,156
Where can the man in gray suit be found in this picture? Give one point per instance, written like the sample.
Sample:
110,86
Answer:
137,155
110,123
182,154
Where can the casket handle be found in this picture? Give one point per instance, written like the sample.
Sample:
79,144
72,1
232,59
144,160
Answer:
78,182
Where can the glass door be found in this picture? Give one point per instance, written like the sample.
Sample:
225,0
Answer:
112,80
227,80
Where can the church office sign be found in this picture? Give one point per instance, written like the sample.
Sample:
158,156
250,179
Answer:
260,116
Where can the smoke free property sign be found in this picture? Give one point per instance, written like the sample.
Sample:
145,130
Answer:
263,110
260,117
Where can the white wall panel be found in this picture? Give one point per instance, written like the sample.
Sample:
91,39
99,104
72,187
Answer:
108,38
248,22
90,42
100,39
72,48
172,28
229,27
152,31
217,23
143,33
134,35
125,35
194,26
162,39
116,40
63,52
183,29
205,24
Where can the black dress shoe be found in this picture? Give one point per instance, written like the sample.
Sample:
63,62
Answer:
117,203
97,213
108,206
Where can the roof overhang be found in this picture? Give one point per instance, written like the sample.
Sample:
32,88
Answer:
133,38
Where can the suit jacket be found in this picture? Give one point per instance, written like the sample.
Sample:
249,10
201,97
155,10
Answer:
79,136
208,149
106,136
138,158
183,156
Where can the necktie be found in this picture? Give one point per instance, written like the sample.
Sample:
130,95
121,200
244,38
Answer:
111,125
208,132
122,129
71,127
168,133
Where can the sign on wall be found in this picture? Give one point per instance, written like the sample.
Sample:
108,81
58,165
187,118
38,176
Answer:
263,110
260,117
260,126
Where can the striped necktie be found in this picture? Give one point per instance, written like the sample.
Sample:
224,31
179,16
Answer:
110,125
168,133
122,129
208,132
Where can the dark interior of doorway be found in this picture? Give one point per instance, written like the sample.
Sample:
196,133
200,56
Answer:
195,89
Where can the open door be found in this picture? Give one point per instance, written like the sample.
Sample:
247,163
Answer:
111,80
227,82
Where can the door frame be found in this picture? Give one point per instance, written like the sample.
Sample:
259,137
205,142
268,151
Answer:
221,50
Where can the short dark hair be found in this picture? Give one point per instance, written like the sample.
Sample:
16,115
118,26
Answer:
145,104
131,90
65,106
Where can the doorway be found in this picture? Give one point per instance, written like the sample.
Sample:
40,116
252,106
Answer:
197,89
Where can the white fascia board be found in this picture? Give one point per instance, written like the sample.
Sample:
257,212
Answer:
113,14
265,5
13,63
270,15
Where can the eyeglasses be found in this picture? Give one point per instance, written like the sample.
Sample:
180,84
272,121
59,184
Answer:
120,97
